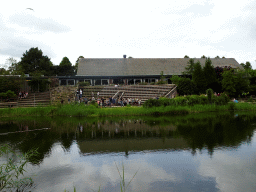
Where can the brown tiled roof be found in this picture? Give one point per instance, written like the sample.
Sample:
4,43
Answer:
143,66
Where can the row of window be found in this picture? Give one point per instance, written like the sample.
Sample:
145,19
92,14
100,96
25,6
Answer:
109,81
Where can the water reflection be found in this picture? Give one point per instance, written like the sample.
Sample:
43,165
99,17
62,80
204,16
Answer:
130,135
184,153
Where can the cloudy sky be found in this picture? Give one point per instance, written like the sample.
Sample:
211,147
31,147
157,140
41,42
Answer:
141,29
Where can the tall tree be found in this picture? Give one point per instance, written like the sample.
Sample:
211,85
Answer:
190,67
77,62
3,71
199,78
186,56
242,83
228,82
210,75
203,57
186,87
13,66
65,67
235,83
247,65
34,60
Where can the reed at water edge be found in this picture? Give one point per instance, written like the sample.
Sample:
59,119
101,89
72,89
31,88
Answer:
81,110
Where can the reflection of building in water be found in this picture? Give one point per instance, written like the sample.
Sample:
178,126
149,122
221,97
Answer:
132,144
129,136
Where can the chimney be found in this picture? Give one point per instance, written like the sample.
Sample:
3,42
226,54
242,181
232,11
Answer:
124,56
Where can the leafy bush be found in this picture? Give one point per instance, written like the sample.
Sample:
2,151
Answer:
152,103
152,83
209,93
190,100
143,83
223,99
166,102
11,83
82,84
94,103
161,82
231,106
3,95
7,94
175,79
203,99
250,99
181,100
193,99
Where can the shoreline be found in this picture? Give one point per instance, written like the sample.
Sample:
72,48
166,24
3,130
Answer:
80,110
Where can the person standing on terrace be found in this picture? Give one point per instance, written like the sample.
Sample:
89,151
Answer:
81,93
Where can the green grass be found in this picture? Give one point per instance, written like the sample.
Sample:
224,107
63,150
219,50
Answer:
80,110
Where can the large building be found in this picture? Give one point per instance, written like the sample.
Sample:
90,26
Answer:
130,71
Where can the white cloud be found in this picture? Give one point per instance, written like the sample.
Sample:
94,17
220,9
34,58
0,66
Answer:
61,171
232,173
31,23
98,29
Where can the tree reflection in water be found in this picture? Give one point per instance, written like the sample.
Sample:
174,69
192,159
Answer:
131,134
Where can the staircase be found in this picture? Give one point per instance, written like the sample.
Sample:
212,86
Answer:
142,92
35,100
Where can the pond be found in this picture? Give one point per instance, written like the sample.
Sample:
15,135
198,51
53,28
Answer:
199,152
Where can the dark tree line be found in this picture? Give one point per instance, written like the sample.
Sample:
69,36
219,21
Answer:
233,82
34,62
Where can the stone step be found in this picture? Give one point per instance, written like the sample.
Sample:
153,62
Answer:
35,99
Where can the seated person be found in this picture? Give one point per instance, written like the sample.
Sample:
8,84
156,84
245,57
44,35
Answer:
235,101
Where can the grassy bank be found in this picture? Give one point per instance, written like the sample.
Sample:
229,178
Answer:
80,110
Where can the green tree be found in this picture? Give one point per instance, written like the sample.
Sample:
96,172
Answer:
11,83
210,74
186,56
186,87
242,84
247,65
199,78
77,62
209,93
203,57
37,83
162,77
65,67
190,67
34,60
217,57
14,67
228,82
3,71
175,79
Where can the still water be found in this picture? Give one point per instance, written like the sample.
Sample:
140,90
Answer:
200,152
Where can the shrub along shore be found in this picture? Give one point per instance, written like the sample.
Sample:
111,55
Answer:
162,106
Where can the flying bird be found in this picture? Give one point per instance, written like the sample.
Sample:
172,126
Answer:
30,9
